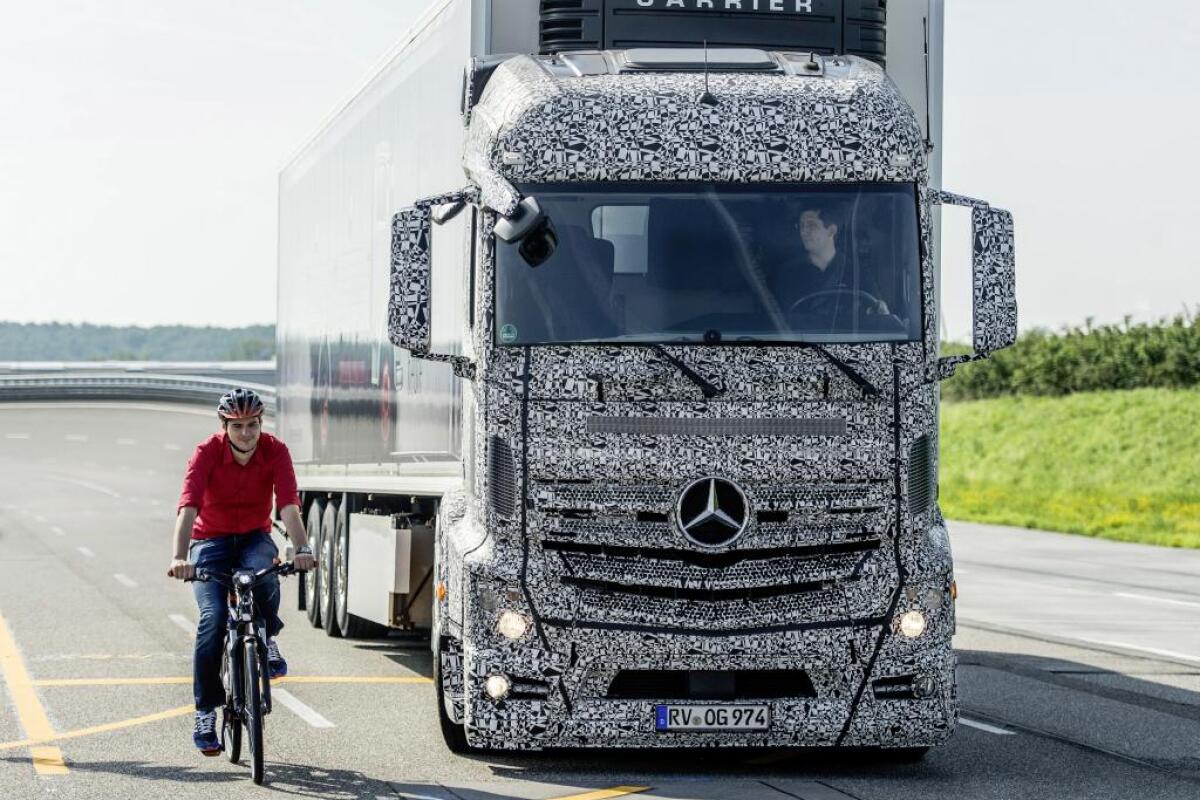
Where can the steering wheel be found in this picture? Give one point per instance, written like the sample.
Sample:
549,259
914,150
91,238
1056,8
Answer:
876,303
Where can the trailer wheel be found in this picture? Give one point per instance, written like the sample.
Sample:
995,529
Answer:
312,579
350,626
327,583
453,733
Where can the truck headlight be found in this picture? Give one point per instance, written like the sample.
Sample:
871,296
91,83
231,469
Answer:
912,623
496,686
512,625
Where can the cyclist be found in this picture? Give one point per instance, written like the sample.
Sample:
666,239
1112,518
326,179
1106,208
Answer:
223,523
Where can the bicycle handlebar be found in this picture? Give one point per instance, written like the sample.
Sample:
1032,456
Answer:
284,569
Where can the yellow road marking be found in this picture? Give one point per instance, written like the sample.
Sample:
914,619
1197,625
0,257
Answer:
604,794
187,679
48,761
43,757
33,719
108,726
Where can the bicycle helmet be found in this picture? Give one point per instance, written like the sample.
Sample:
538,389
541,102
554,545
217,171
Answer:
240,404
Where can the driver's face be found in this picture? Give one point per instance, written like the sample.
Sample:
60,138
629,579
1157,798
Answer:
815,235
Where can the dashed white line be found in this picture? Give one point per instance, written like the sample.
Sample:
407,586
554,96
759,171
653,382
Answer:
183,622
16,436
1152,650
95,487
127,442
298,708
170,446
86,551
1149,599
39,518
983,726
57,531
125,580
77,437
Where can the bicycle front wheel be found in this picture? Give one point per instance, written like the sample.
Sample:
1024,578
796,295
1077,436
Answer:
253,713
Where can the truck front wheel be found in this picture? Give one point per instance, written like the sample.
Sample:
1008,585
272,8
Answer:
453,733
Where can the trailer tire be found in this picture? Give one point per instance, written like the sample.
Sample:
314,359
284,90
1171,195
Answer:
350,626
453,733
312,579
327,581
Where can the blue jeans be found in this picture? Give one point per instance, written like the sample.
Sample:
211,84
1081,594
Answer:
225,554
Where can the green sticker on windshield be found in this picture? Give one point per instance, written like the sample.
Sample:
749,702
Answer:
508,333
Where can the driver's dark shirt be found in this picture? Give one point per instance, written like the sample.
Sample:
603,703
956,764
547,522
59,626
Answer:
799,277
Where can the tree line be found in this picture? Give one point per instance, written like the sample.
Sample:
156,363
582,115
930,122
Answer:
1161,354
57,341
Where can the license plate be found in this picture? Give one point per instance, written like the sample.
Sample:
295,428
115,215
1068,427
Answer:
712,718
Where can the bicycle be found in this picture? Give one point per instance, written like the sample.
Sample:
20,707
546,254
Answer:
244,670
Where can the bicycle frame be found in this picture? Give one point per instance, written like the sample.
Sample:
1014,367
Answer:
243,626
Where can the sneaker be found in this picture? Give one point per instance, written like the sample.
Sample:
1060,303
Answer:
276,663
205,733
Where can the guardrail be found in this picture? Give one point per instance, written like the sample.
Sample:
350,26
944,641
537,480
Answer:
125,386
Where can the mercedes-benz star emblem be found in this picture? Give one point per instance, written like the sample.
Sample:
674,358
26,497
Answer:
712,512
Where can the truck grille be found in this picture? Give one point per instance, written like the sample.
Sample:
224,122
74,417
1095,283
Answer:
613,553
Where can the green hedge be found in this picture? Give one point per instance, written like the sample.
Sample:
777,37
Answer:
1164,354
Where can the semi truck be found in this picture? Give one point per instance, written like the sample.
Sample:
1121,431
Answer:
608,353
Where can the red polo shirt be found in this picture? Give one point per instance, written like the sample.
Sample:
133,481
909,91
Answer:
233,498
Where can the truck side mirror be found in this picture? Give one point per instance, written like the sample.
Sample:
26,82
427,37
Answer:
409,312
994,292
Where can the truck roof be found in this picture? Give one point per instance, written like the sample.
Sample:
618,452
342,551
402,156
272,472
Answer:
638,115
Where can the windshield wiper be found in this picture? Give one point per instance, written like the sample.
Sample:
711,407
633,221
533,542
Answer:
707,388
862,383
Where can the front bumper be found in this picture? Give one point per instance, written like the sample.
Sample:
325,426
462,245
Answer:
558,700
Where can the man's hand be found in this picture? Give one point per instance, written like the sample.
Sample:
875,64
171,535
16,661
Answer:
304,561
180,568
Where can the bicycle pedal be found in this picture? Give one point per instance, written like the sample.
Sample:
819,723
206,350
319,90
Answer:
211,753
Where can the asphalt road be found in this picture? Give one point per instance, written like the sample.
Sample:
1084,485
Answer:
1079,676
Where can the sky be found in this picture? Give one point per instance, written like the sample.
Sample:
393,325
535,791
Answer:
141,140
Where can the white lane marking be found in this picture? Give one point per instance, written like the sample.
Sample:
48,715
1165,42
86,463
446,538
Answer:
39,518
57,531
95,487
16,436
86,551
1149,599
300,709
983,726
9,507
183,622
127,442
77,437
170,446
1153,650
125,580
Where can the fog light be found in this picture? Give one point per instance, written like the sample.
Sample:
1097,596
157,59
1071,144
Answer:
512,625
496,686
923,686
912,623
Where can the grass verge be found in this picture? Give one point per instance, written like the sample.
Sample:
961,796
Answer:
1121,465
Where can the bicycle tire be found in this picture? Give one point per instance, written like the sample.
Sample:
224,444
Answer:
253,711
231,724
231,731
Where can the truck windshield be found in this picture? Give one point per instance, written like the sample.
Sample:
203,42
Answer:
711,263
